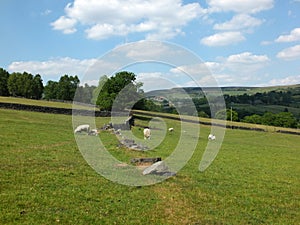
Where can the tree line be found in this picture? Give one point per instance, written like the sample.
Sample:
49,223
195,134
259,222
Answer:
121,91
31,86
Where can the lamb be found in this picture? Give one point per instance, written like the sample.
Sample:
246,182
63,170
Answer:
93,132
211,137
80,128
171,129
147,133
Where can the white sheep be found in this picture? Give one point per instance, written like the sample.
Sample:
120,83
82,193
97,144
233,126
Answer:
94,132
171,129
211,137
80,128
147,133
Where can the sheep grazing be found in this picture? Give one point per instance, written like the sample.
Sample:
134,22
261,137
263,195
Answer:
171,129
211,137
80,128
93,132
147,133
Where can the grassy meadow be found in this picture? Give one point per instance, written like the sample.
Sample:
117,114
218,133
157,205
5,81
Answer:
44,103
44,179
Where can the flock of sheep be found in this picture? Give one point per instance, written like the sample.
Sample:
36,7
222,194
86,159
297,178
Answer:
147,131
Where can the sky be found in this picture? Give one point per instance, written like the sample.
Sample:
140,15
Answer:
240,42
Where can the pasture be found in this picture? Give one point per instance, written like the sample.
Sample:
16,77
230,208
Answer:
45,180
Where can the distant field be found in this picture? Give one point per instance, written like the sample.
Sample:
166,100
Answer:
45,180
195,91
228,123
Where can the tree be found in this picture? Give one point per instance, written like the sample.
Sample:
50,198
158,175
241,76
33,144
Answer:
256,119
12,85
119,90
286,119
228,114
50,90
4,75
67,86
97,90
84,93
20,84
37,87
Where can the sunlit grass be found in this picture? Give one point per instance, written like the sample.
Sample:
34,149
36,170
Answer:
45,180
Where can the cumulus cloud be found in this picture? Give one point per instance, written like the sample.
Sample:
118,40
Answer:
238,22
289,53
223,38
67,25
240,6
293,36
246,62
286,80
198,69
158,19
156,80
242,22
54,67
234,70
247,58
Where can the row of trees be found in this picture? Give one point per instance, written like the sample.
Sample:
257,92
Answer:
267,98
282,119
122,91
31,86
21,84
64,89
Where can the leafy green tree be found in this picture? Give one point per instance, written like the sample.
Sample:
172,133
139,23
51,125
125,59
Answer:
269,118
50,90
256,119
67,86
120,90
37,87
21,84
228,114
97,90
12,84
4,75
84,93
283,119
286,119
203,114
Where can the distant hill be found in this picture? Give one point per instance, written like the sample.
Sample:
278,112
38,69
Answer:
245,101
234,90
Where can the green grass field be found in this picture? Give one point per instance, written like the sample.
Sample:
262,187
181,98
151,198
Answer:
45,103
45,180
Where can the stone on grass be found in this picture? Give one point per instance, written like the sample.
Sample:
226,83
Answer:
157,168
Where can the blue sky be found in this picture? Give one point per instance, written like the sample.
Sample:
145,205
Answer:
242,42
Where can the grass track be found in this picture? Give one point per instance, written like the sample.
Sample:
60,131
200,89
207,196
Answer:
45,180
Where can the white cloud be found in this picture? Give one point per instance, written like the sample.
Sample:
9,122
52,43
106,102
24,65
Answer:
245,63
198,69
238,22
223,39
240,6
155,81
293,36
247,58
53,68
285,81
67,25
289,53
158,19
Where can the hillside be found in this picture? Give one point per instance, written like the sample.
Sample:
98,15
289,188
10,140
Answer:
246,101
234,90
